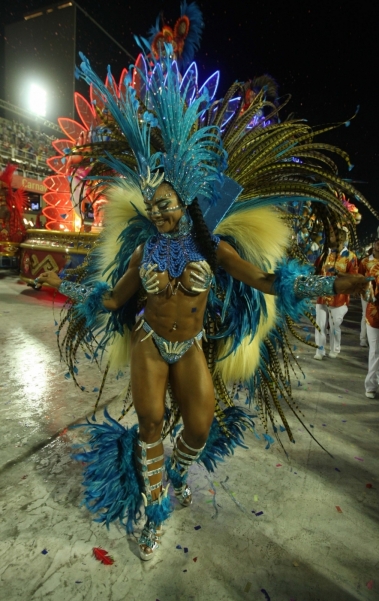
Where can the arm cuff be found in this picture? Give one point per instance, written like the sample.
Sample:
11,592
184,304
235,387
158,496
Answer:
314,285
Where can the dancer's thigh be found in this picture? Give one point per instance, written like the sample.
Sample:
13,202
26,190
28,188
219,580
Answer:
149,377
192,386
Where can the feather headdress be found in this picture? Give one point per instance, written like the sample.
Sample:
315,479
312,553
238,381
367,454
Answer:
191,158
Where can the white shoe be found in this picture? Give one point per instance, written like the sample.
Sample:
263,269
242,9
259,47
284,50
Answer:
318,357
370,395
333,355
363,343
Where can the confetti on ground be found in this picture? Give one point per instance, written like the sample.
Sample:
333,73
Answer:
95,390
252,511
358,458
185,549
265,594
255,497
184,570
102,555
247,587
209,501
259,513
44,552
63,432
78,581
295,564
338,509
178,547
370,584
195,559
216,483
278,465
337,470
311,426
368,485
26,475
212,492
324,425
197,527
344,421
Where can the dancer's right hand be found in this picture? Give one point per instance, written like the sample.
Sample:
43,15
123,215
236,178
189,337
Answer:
50,278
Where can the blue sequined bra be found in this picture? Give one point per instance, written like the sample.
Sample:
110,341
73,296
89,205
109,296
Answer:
172,255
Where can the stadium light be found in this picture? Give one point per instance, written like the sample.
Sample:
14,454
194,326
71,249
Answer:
37,100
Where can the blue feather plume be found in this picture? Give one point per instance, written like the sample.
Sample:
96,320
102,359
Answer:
110,476
92,308
193,162
125,110
154,29
192,41
219,445
174,475
286,272
160,512
239,306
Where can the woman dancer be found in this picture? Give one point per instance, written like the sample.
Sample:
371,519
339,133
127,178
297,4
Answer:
190,278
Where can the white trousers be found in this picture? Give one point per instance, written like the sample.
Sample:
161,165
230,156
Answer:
363,335
372,378
334,317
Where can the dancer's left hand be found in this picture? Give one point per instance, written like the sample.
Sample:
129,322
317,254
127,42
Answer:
351,284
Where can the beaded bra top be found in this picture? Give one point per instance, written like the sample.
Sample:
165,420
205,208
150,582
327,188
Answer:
164,253
172,254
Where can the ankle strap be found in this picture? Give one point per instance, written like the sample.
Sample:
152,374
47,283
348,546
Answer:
148,445
187,446
145,461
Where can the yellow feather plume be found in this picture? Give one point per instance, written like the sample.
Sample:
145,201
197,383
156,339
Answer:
264,236
118,212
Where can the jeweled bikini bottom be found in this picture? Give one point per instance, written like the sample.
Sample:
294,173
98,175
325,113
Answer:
170,352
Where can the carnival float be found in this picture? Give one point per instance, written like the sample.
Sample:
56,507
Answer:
12,205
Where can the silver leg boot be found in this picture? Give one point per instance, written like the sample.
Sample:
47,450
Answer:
177,467
157,510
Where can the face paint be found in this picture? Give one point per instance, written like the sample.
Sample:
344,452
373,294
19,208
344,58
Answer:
164,209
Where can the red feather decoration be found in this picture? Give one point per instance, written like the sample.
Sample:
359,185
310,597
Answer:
102,555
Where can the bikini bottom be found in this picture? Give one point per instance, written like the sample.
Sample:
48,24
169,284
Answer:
170,352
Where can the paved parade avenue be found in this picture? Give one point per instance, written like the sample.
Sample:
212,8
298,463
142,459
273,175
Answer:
264,527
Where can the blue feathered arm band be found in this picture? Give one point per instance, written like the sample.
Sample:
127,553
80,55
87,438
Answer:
295,284
88,299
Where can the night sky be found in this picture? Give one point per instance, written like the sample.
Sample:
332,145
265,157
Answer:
323,53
